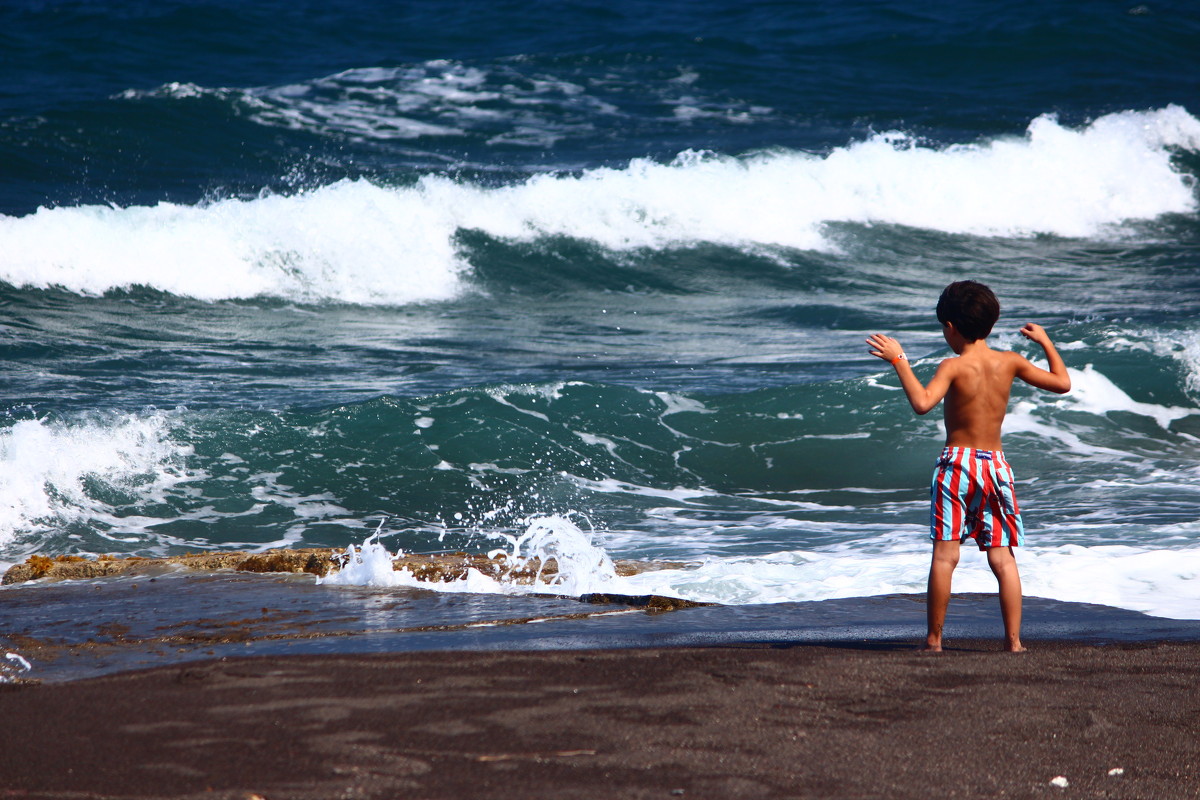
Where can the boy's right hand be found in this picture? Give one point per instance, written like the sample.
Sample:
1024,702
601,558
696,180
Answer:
884,347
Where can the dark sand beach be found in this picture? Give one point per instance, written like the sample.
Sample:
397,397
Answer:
237,686
841,721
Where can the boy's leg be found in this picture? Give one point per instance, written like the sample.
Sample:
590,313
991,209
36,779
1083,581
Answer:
937,598
1004,567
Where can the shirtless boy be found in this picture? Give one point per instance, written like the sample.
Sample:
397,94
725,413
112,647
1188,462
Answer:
972,492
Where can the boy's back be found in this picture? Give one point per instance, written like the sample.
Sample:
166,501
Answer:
972,494
980,380
977,398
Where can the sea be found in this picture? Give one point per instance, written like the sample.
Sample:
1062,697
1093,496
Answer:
589,281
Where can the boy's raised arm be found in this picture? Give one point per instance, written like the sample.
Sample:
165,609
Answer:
1056,379
923,399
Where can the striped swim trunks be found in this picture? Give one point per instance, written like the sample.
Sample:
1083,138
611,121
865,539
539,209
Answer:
972,496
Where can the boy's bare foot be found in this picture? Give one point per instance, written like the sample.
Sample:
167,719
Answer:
932,646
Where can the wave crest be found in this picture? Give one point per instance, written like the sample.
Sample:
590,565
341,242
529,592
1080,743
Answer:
359,242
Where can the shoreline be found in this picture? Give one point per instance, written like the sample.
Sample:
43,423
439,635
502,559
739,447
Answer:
237,686
819,721
72,630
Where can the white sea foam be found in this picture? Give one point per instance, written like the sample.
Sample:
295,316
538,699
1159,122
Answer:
679,404
1161,581
50,472
1157,581
358,242
1092,392
1095,393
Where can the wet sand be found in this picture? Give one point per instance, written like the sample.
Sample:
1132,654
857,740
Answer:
842,721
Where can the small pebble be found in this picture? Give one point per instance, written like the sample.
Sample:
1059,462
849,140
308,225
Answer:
1060,782
1116,772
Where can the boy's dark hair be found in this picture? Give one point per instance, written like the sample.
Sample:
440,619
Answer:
971,306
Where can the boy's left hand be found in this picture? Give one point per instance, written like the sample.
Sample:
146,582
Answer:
1035,333
884,347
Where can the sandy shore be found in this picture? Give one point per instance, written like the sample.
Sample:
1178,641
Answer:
717,722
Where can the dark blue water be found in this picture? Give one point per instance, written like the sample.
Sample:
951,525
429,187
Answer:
563,85
594,279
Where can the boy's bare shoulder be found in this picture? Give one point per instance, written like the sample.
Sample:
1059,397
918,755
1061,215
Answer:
1014,358
949,363
1013,354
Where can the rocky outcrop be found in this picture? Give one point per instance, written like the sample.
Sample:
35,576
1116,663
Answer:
444,567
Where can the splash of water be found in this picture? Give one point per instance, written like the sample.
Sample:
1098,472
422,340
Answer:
582,567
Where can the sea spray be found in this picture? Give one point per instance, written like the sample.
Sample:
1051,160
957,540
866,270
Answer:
580,567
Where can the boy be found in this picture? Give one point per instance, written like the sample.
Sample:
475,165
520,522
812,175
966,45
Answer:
972,492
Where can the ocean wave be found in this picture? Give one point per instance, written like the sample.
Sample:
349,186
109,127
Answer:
361,242
667,475
97,471
350,242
